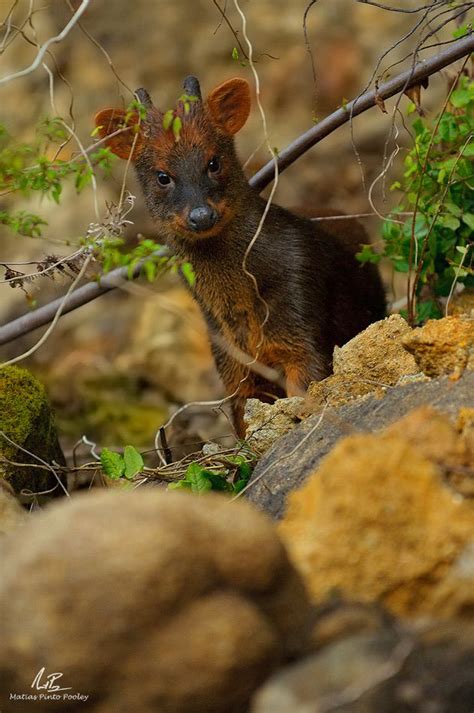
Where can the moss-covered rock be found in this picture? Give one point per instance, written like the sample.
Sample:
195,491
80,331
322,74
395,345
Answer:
27,424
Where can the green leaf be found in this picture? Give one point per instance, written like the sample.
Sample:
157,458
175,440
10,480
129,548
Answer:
200,484
133,462
427,310
468,218
400,265
245,471
235,54
149,268
168,119
448,221
188,273
461,98
112,463
240,485
453,208
218,481
177,126
367,254
461,31
179,485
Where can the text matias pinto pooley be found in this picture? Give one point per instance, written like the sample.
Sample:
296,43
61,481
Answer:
47,687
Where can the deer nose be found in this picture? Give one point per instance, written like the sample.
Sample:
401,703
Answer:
202,218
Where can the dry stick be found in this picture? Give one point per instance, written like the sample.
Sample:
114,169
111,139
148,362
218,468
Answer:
37,458
73,135
326,126
28,322
460,48
285,455
55,319
44,48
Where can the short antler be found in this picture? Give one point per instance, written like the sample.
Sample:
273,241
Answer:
192,87
143,97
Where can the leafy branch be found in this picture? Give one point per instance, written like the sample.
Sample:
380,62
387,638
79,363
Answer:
438,193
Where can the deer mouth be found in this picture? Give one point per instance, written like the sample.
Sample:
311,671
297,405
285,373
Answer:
222,216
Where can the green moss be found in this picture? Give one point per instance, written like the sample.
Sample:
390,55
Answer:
27,420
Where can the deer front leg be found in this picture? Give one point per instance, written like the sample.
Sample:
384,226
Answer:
300,374
238,383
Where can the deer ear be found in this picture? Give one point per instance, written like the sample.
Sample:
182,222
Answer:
229,104
108,121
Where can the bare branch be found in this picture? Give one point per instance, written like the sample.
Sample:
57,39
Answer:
44,48
310,138
88,292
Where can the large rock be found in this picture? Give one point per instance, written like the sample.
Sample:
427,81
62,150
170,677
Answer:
290,461
443,346
148,601
28,436
463,303
265,423
387,671
370,362
11,512
378,522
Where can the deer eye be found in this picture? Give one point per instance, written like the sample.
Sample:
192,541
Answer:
163,179
214,165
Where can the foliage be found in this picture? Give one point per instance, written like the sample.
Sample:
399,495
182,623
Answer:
231,479
25,168
35,167
438,189
116,466
147,253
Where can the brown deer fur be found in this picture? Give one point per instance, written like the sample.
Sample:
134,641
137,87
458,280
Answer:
317,294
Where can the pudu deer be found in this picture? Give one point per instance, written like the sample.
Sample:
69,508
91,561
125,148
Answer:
286,302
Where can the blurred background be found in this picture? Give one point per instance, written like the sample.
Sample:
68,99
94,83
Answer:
118,367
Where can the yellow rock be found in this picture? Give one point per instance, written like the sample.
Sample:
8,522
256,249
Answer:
371,361
443,346
463,303
377,523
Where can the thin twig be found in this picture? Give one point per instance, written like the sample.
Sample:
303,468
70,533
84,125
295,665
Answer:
56,317
37,458
44,48
285,455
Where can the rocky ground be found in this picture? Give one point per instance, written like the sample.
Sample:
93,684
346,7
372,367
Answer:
352,590
342,579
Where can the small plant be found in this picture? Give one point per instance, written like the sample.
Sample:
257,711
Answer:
233,477
116,466
26,168
435,243
111,252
